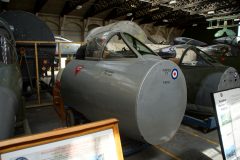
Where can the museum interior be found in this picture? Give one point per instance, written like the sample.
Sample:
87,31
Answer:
119,79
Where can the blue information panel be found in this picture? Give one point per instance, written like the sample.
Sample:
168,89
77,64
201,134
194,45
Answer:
227,105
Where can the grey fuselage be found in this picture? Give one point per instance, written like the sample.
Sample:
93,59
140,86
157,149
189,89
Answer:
203,76
141,92
10,82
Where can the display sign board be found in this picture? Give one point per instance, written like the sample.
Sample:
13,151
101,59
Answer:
93,141
227,105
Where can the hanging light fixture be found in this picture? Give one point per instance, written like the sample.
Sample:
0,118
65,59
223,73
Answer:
211,12
129,14
153,9
145,1
79,7
173,2
165,20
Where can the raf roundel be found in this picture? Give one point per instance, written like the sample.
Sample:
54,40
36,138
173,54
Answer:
174,73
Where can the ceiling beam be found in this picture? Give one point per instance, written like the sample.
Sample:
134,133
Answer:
227,13
173,18
138,6
184,21
142,11
39,4
156,15
186,5
102,6
70,5
92,8
215,6
149,19
129,6
151,14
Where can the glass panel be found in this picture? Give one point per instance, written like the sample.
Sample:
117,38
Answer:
95,45
207,57
116,48
139,46
191,58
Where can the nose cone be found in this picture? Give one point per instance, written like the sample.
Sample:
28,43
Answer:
8,107
215,82
161,102
229,79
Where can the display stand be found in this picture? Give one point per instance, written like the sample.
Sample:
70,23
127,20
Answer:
227,105
206,124
92,141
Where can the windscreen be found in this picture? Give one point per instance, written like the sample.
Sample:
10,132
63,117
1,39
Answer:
96,44
139,46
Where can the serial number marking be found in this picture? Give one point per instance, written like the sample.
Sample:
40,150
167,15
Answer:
166,71
166,82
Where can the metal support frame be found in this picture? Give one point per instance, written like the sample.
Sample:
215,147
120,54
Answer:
37,73
206,124
36,43
227,21
59,56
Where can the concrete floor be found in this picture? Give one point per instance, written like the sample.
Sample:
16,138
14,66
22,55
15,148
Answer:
187,144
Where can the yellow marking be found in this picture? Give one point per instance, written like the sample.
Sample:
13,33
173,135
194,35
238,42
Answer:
198,136
167,152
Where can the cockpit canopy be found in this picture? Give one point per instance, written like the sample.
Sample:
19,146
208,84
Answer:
121,26
187,55
122,39
115,45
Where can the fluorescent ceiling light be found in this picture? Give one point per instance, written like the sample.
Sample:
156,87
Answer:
133,6
172,2
237,19
145,1
194,25
211,12
153,9
79,7
129,14
165,20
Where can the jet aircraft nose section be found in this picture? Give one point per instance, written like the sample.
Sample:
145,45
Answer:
122,78
229,79
226,78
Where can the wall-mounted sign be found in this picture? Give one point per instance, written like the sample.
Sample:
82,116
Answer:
94,141
227,105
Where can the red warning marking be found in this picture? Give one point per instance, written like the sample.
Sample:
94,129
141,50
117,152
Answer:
78,69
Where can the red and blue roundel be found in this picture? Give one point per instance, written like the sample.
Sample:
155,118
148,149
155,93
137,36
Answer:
174,73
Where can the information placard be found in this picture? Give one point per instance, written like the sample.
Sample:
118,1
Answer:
227,105
96,141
